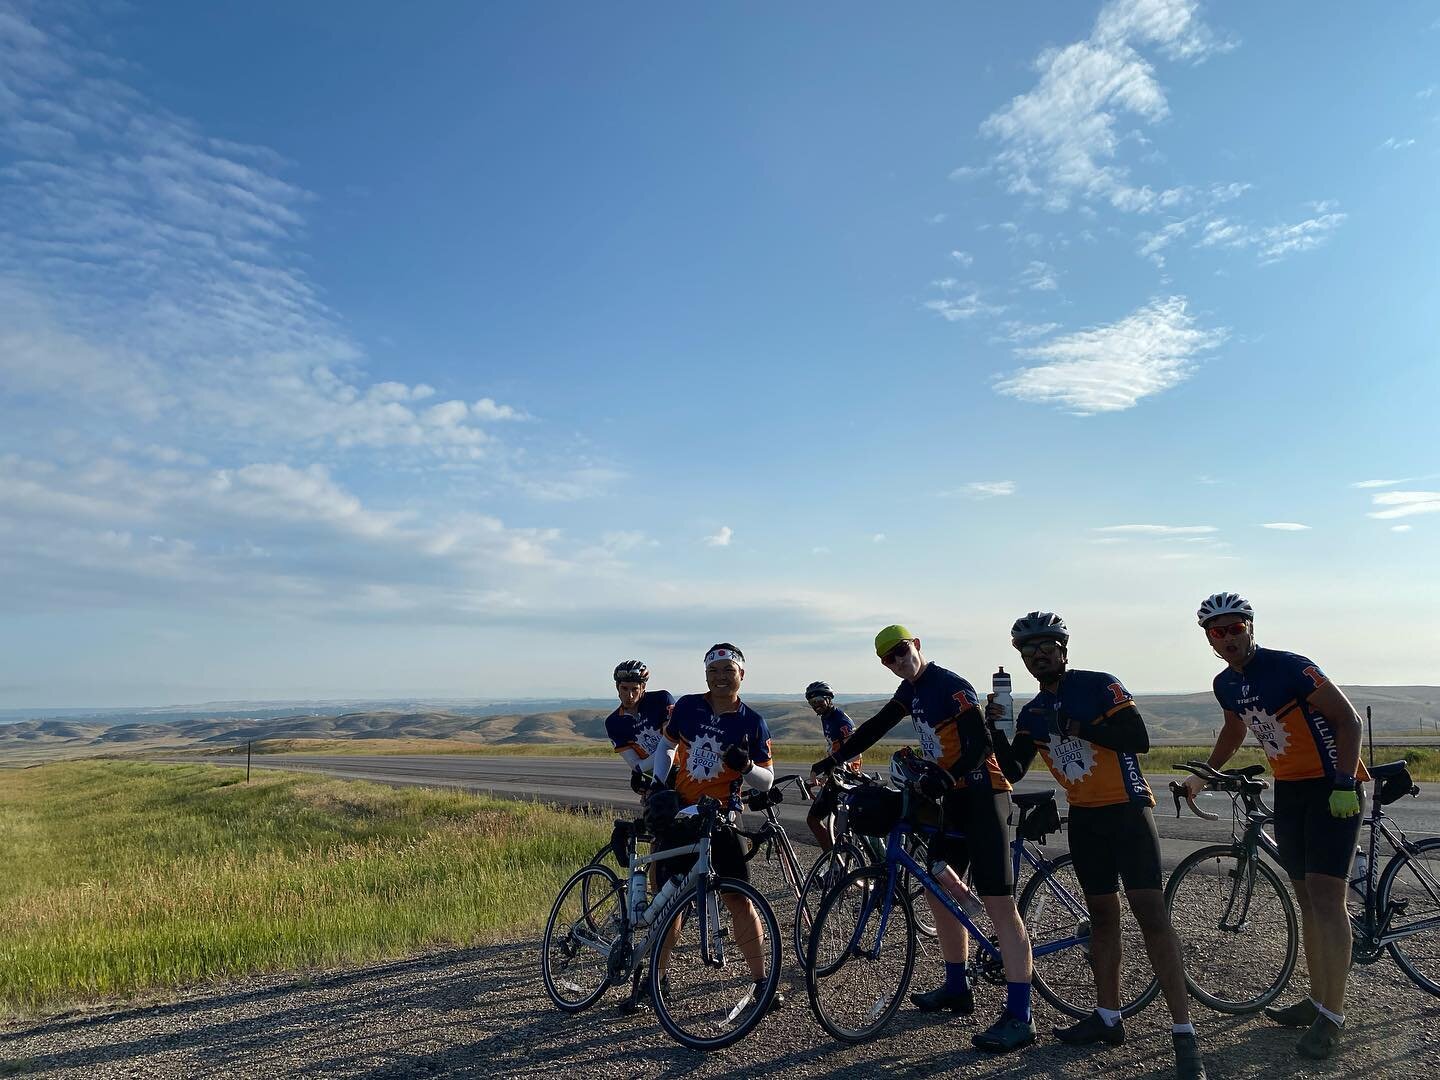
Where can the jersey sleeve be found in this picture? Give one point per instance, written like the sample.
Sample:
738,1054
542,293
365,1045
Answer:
674,728
1218,687
844,726
620,731
1034,720
1110,695
1305,675
963,695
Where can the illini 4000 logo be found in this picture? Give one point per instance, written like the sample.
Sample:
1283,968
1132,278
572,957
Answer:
704,761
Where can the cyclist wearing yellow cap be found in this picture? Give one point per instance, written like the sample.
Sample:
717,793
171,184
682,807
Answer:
963,775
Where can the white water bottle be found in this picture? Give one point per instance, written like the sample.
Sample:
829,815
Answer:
637,894
1359,873
1000,684
662,899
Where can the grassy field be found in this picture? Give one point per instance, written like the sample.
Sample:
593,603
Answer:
116,877
1424,760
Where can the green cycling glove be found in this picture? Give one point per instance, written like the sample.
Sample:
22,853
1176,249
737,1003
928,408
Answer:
1344,803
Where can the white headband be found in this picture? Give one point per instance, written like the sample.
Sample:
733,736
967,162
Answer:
725,654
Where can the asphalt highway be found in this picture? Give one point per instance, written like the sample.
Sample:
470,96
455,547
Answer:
603,783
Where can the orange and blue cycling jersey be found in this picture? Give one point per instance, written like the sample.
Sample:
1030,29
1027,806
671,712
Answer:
837,727
640,732
1271,696
946,713
1091,775
700,737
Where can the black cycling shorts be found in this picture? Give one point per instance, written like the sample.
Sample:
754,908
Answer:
981,815
727,852
1114,844
1310,840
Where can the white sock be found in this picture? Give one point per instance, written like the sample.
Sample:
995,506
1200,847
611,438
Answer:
1110,1016
1338,1019
1182,1029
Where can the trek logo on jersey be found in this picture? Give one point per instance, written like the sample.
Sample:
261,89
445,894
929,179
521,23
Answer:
704,762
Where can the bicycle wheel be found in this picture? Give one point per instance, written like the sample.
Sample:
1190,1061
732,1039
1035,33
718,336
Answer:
827,872
585,924
1412,877
780,880
605,859
1052,906
705,991
924,917
861,956
1238,939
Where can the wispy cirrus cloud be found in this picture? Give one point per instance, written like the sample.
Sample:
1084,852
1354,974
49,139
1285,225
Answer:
720,538
1378,483
961,308
1157,530
1270,243
1113,367
1060,141
1395,142
1039,277
1396,504
1285,526
982,489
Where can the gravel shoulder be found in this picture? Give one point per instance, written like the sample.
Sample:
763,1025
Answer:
472,1012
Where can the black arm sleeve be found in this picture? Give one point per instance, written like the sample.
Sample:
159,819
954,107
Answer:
975,744
1016,757
870,732
1124,732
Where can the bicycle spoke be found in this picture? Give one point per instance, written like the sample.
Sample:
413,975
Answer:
1410,890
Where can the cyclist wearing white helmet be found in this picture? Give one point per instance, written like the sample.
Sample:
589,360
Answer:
1087,728
962,773
836,727
1311,734
634,728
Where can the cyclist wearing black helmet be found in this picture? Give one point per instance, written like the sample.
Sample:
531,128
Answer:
836,728
1087,728
963,775
635,727
1311,735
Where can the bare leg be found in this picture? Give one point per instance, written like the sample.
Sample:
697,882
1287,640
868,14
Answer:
1010,932
1163,946
1105,948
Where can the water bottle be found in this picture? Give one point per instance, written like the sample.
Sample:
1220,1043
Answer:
1000,684
637,894
968,901
662,900
1359,874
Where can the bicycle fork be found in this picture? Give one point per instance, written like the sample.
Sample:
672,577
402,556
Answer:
1242,891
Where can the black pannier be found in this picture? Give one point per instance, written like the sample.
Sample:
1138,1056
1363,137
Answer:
873,810
1040,822
1396,787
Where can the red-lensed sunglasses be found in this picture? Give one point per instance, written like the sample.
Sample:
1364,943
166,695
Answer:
1220,633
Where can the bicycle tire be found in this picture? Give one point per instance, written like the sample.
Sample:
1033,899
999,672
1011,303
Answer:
827,872
605,858
1197,896
586,922
1052,907
1423,967
695,1009
854,995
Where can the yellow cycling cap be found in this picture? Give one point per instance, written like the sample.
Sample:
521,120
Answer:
891,636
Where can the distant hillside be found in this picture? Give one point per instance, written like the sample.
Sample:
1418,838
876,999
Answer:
1398,711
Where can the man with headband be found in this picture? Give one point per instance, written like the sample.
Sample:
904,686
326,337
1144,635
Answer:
714,743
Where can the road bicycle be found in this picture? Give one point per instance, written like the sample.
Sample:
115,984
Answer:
602,932
770,853
862,949
1241,937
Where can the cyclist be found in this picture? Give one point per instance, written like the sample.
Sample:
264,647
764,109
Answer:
635,727
713,744
1087,728
836,727
1311,734
975,798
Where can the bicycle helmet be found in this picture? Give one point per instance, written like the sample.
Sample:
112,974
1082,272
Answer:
632,671
1039,624
1224,603
818,690
903,768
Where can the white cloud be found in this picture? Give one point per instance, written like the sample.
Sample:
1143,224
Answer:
1110,368
964,258
936,219
1426,94
1274,242
878,538
487,409
1397,143
1060,140
1285,526
1401,528
1377,483
1014,330
1159,530
963,308
969,172
985,489
721,538
1040,277
1405,503
819,551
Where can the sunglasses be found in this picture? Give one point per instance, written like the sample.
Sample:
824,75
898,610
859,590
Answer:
895,655
1030,648
1220,633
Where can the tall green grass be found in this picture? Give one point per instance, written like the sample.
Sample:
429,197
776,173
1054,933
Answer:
116,877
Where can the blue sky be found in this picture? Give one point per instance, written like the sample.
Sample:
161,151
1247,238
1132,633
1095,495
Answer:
364,350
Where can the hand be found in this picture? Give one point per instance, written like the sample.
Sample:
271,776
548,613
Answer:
824,765
1344,802
639,782
737,758
994,712
1194,785
935,782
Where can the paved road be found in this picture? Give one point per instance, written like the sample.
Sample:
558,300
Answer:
602,782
